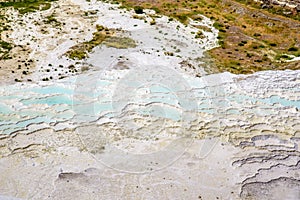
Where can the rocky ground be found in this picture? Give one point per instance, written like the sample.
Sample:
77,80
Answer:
289,3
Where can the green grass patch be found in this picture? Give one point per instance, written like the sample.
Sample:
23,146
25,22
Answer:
52,20
138,10
77,54
182,17
282,57
103,36
119,42
5,45
26,6
293,49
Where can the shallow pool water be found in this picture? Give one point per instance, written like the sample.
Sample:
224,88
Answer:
57,102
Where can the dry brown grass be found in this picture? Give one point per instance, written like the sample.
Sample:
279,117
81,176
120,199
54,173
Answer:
101,36
251,39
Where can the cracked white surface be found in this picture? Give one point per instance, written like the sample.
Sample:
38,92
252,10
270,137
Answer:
255,145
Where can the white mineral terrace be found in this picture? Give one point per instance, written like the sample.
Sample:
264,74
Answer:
138,125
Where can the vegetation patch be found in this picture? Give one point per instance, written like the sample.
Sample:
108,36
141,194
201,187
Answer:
104,36
252,37
25,6
5,48
293,49
119,42
138,10
52,20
